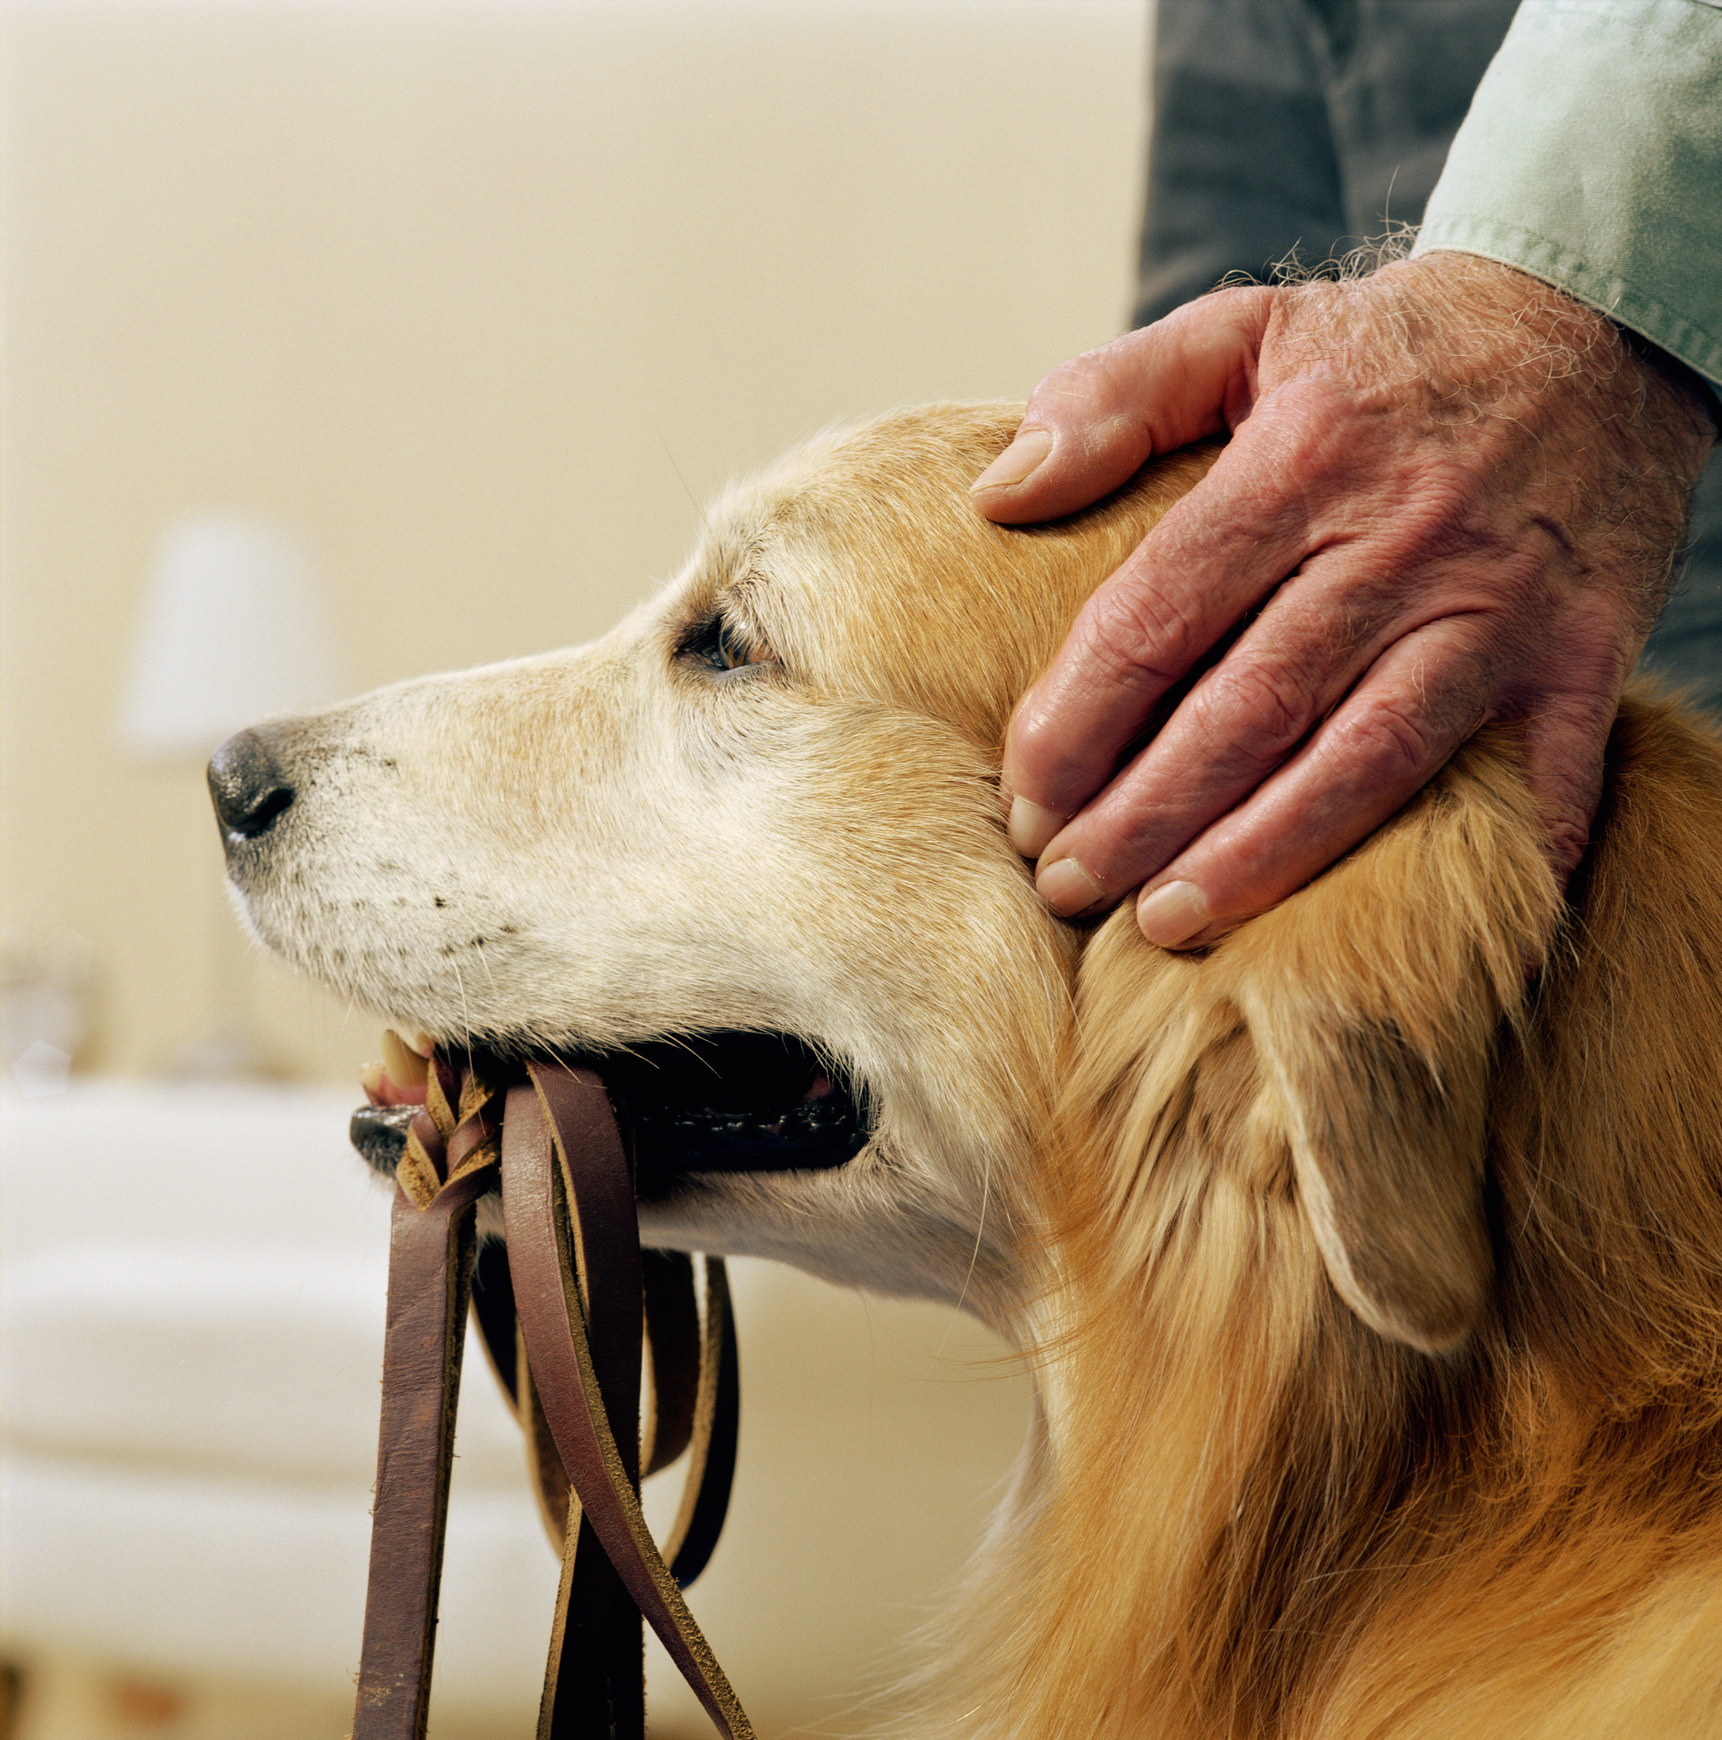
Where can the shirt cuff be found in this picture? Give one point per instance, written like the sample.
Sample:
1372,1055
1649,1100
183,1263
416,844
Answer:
1592,158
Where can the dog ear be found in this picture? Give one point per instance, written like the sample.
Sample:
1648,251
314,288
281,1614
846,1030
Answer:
1388,1144
1375,1000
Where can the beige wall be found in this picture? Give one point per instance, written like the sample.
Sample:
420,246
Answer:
478,301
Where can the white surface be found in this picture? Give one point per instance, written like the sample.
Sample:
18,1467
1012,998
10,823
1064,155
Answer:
218,1579
150,1164
257,1362
192,1285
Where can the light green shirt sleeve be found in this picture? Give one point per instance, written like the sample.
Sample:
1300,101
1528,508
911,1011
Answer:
1592,158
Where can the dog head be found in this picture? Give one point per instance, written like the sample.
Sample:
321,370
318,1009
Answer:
767,804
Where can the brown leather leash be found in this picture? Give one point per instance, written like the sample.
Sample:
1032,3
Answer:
566,1314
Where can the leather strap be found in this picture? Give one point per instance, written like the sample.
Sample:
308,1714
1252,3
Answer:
716,1420
543,1464
594,1680
595,1677
570,1197
493,1312
430,1266
561,1318
450,1148
695,1402
672,1357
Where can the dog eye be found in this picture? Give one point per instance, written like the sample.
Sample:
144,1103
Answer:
724,647
734,649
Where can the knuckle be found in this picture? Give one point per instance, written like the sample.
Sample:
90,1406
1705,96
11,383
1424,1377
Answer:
1117,851
1387,741
1134,630
1091,387
1066,395
1243,311
1568,843
1122,844
1041,757
1256,712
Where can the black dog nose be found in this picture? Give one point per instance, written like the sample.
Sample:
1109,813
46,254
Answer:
247,785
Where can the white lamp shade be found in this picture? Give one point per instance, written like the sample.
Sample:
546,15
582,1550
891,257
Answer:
234,628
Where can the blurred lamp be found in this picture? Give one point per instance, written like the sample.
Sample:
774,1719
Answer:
234,629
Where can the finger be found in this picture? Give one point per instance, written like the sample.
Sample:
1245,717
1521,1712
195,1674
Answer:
1096,420
1569,708
1564,748
1218,552
1420,702
1240,721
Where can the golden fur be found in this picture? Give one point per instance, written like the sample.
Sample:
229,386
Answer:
1368,1261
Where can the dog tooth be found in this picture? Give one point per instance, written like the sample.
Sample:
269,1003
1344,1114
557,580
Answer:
371,1080
420,1041
405,1064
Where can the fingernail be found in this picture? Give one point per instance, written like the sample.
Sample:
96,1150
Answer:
1172,914
1067,888
1026,452
1031,827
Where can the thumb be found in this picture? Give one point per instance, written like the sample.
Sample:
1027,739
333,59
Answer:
1095,421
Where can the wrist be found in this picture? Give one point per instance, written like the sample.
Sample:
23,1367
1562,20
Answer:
1621,361
1684,380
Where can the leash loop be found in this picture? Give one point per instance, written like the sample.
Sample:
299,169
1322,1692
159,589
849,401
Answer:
430,1275
572,1156
562,1314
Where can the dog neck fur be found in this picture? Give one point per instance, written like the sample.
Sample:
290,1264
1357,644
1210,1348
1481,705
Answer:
1293,1518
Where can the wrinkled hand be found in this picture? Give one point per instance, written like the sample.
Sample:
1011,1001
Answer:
1451,495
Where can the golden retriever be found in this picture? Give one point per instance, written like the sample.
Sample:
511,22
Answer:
1369,1261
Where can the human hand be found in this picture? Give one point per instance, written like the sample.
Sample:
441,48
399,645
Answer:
1452,494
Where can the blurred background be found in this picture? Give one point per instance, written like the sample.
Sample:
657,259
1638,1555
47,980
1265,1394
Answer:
345,342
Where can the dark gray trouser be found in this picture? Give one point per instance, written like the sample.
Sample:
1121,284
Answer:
1304,126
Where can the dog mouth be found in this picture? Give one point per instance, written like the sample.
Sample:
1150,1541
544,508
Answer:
704,1103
